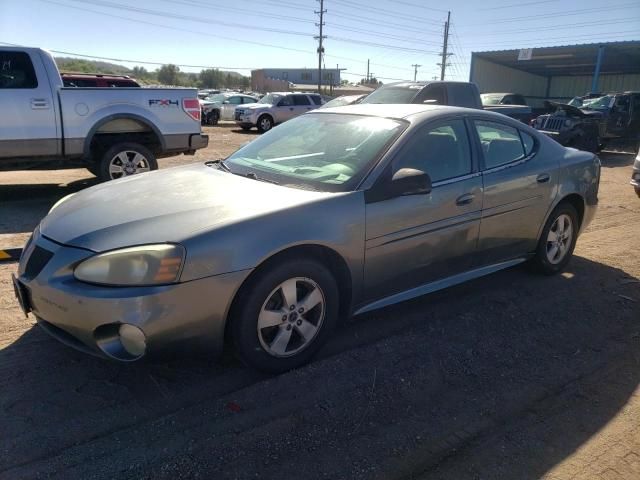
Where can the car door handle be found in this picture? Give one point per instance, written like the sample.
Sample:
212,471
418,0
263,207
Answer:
543,178
465,199
39,103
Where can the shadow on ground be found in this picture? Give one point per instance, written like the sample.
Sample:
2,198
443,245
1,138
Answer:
393,395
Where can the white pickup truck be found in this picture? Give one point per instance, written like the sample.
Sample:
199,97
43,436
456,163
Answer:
113,132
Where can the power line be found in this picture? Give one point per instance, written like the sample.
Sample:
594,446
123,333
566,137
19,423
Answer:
370,21
382,35
380,45
417,6
381,11
564,13
518,5
561,27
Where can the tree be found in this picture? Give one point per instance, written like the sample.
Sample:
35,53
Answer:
210,78
228,81
168,74
140,72
245,82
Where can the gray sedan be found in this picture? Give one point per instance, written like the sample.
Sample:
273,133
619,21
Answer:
337,212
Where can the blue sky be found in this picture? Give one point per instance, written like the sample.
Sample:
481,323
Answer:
245,34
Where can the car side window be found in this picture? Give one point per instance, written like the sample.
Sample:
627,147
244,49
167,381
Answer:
286,101
501,144
300,100
527,142
16,71
235,100
248,100
441,150
433,94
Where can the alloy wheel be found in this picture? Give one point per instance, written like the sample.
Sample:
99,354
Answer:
128,162
291,317
559,239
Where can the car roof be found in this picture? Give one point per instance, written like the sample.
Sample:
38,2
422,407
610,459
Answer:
413,112
292,93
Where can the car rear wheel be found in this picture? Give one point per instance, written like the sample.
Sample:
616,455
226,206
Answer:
125,159
284,315
213,117
265,123
557,241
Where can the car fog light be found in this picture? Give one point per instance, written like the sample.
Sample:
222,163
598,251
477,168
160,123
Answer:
133,339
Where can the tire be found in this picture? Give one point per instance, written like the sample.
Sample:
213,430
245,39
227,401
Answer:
213,117
276,343
94,169
125,159
545,260
265,123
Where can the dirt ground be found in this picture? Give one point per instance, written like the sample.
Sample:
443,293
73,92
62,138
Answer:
512,376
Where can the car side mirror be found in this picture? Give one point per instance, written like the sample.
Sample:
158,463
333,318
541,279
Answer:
431,101
406,181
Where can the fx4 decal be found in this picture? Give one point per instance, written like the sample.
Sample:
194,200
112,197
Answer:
163,103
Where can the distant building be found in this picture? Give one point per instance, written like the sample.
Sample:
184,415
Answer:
279,79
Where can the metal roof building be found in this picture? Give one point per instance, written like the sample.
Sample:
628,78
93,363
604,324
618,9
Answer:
558,73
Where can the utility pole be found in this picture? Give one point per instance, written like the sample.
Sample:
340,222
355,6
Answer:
320,48
367,70
445,55
415,71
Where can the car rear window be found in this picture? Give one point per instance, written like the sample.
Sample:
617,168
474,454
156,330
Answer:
301,100
501,144
393,95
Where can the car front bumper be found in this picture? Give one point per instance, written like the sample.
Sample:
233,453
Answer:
186,316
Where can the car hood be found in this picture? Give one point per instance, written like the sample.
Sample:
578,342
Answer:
165,206
575,111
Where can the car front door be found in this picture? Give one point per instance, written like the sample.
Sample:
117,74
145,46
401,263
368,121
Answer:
519,186
28,126
284,109
416,239
228,108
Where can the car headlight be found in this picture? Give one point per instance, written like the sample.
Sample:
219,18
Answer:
135,266
568,122
60,202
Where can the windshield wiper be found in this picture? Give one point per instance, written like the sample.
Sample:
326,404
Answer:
220,162
253,176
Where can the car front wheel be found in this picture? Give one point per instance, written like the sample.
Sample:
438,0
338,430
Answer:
284,315
265,123
557,241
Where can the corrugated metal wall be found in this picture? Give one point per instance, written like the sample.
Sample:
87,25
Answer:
491,77
569,87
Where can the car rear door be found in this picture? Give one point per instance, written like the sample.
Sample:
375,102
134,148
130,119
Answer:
519,186
228,107
28,124
619,116
285,109
416,239
302,104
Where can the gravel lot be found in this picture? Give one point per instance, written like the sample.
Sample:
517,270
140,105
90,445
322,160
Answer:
512,376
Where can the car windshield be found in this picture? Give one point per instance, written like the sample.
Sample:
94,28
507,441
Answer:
393,95
491,99
270,98
600,103
326,152
218,97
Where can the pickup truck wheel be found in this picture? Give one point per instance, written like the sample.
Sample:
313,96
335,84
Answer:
265,123
125,159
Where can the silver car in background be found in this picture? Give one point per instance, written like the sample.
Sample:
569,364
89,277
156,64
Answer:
222,106
337,212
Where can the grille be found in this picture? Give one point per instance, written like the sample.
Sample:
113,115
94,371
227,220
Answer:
553,123
36,262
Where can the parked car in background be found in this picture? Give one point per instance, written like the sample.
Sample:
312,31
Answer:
493,99
97,80
340,211
589,123
222,106
202,94
276,108
635,176
459,94
113,132
344,100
